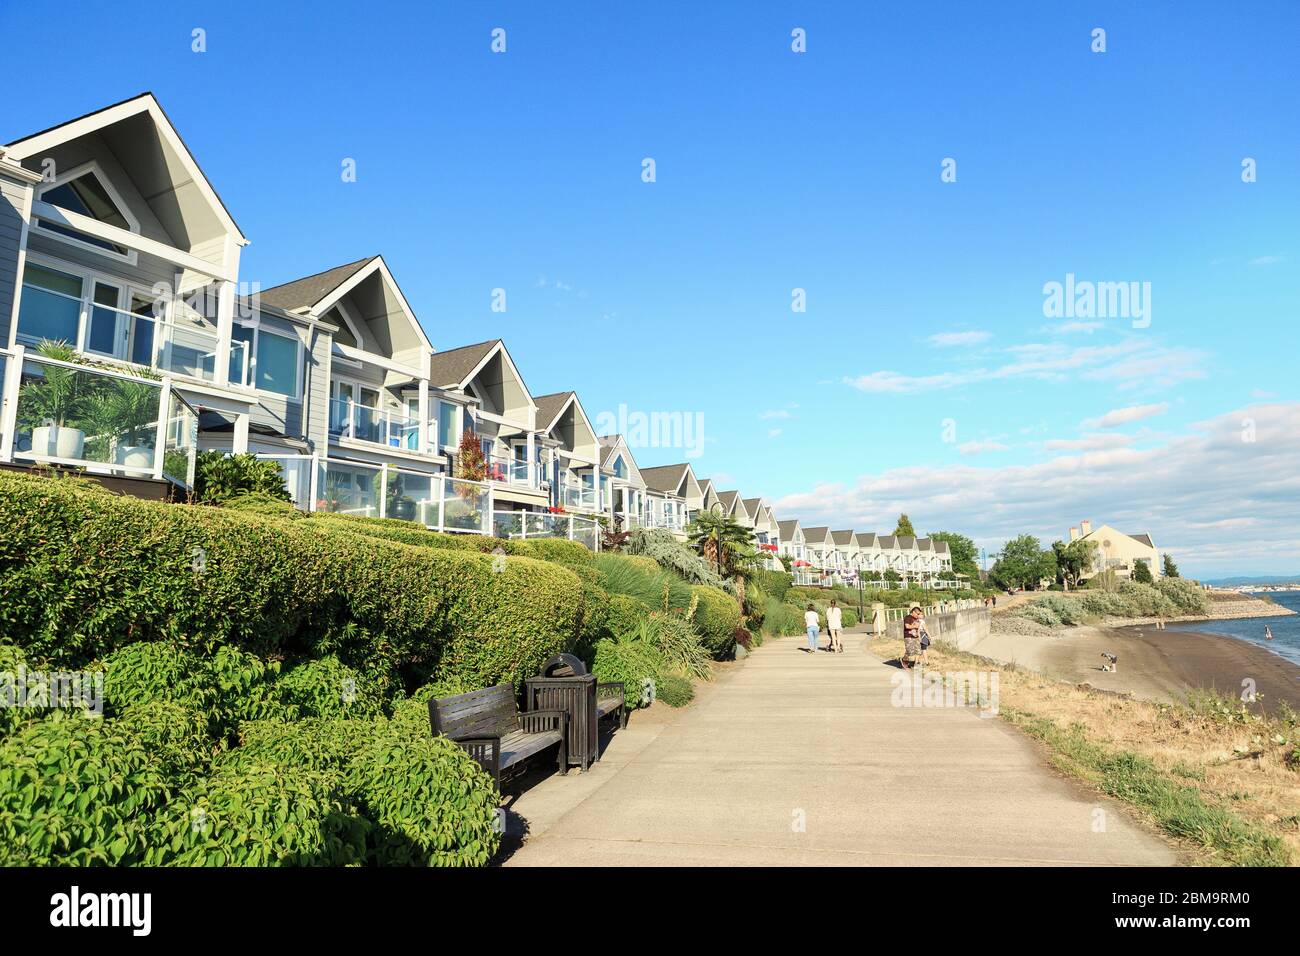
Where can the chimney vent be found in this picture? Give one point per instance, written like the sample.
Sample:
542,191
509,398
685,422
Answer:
1087,528
1074,534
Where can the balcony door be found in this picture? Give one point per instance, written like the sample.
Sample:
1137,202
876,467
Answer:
121,324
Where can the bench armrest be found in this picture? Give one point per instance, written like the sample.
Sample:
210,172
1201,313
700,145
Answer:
540,721
486,752
613,685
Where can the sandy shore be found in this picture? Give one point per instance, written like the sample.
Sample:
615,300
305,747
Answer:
1153,664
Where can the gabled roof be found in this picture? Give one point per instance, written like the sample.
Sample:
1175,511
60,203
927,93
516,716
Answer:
923,544
100,119
888,541
788,528
906,542
1144,538
842,537
664,477
866,539
550,406
754,506
455,367
615,445
941,547
729,499
306,292
816,535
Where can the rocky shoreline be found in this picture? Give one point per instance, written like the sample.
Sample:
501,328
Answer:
1224,606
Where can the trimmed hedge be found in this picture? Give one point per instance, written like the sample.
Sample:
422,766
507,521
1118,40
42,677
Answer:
773,583
625,615
631,661
716,618
83,573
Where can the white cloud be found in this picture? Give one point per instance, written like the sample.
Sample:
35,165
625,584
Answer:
1125,416
773,413
1074,326
1266,260
1095,442
1133,362
773,432
980,447
950,339
1179,491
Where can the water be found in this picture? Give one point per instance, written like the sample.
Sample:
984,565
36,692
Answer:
1286,628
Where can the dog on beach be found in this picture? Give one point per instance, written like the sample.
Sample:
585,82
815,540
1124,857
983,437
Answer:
1111,660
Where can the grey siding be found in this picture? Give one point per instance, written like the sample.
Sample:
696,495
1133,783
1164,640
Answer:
318,390
12,201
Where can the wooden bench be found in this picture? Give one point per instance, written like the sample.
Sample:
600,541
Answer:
493,731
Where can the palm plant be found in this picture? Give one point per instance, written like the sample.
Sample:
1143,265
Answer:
724,542
61,396
124,409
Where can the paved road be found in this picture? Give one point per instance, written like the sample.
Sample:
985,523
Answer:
801,760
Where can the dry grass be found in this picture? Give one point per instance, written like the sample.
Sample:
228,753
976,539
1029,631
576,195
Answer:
1224,780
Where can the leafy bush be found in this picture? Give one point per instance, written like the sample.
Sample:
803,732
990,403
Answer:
626,615
641,578
1185,595
631,661
261,503
219,477
716,618
742,637
782,620
774,583
675,691
82,574
326,687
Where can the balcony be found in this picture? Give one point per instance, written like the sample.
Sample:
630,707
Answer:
377,426
108,422
512,471
523,525
579,499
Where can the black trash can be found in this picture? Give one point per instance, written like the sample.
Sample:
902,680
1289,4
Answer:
564,684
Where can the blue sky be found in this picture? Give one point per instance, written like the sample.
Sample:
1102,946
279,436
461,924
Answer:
820,171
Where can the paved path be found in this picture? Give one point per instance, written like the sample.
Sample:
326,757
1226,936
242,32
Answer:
801,760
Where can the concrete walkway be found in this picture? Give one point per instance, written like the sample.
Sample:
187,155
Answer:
802,760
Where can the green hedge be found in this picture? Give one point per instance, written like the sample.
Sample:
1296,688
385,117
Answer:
83,573
625,616
631,661
716,618
774,583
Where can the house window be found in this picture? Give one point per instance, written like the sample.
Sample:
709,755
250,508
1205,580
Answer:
51,306
448,425
273,363
88,194
620,469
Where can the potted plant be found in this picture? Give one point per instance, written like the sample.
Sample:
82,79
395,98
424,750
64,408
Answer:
53,404
126,413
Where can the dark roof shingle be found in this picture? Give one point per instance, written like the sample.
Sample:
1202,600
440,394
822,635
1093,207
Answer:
305,292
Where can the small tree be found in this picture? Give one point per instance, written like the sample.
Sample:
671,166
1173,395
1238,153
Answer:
1170,569
905,526
1141,573
470,463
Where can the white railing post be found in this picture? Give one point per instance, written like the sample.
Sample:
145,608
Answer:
160,444
383,490
9,400
313,483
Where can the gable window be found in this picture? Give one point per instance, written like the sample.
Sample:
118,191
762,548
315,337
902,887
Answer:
620,468
86,191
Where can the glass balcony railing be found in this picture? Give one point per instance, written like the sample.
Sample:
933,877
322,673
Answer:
533,524
466,505
510,471
578,499
381,426
105,421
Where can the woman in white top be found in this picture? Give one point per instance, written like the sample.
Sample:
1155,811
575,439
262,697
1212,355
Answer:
810,619
834,626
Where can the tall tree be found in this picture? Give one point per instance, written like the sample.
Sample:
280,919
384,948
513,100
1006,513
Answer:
963,551
1074,560
724,542
1023,563
1170,569
904,526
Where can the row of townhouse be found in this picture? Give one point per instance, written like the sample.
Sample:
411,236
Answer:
819,554
113,241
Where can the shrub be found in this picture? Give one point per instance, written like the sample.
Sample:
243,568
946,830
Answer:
672,555
82,574
675,691
716,618
631,661
219,477
626,615
641,578
328,688
678,645
261,503
80,791
782,620
774,583
1185,595
742,637
560,550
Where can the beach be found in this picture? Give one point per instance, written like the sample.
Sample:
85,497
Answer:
1153,664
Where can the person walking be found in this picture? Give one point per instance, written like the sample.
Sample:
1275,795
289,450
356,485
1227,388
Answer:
810,620
1268,633
911,638
834,627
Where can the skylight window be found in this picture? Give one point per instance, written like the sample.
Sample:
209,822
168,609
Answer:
86,193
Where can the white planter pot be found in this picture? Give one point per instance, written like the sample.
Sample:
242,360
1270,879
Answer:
55,442
134,456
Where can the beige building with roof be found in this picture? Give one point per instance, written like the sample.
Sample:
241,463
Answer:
1118,551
